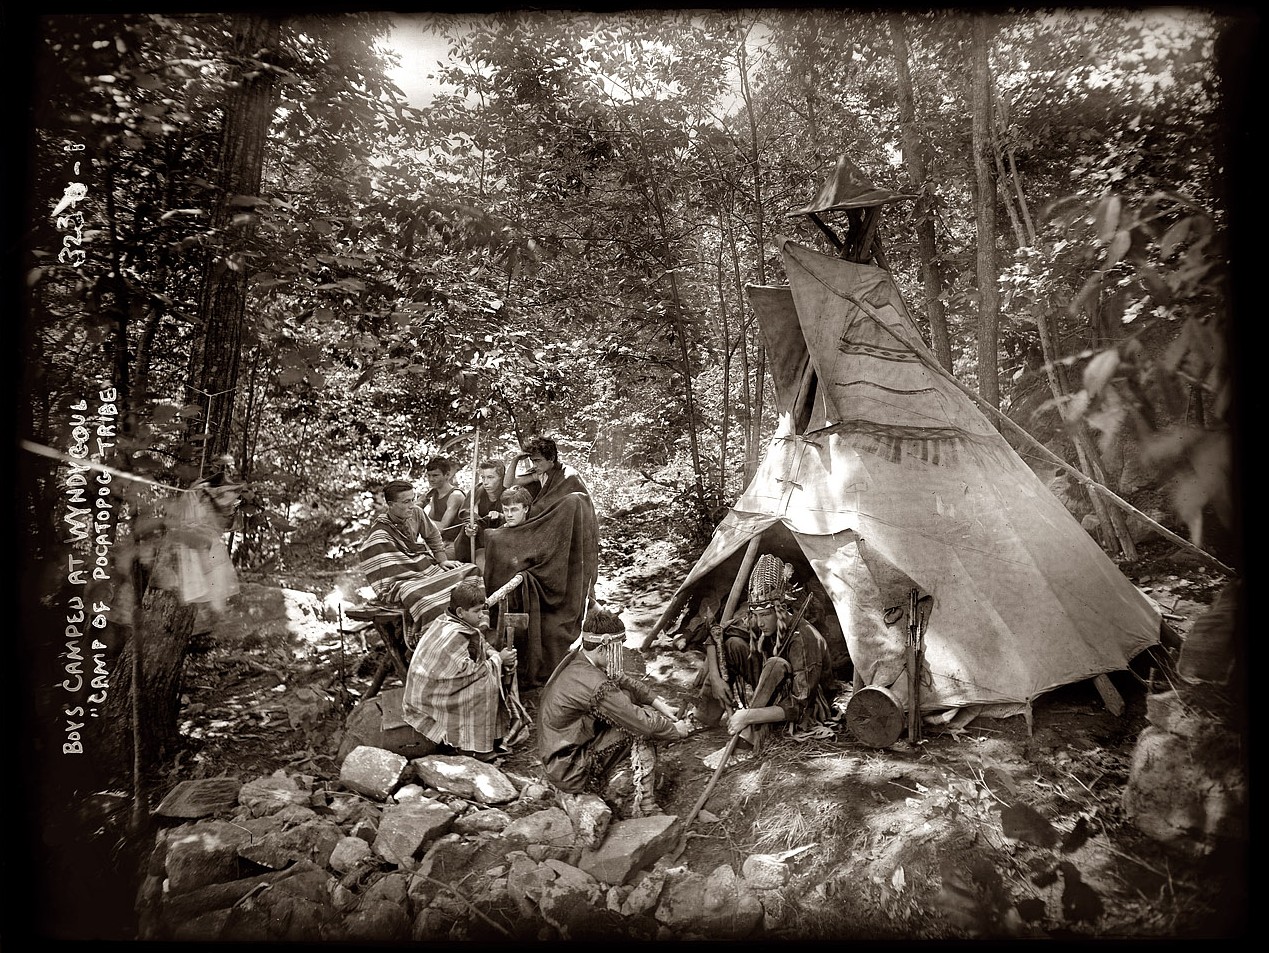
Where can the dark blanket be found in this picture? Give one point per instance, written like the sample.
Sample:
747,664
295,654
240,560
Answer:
561,480
557,549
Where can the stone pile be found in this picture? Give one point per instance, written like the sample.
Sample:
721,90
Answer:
431,848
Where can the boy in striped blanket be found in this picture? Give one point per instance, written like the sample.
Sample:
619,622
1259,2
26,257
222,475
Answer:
404,560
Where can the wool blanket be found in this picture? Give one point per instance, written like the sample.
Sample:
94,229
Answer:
453,691
561,480
557,551
402,560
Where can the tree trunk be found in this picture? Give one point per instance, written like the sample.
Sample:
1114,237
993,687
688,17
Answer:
167,626
742,342
725,410
755,434
914,158
249,110
1114,527
985,199
670,263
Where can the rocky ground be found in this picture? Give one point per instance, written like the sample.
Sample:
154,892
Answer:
992,830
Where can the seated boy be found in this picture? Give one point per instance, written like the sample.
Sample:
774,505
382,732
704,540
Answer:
444,501
516,503
404,559
454,691
470,545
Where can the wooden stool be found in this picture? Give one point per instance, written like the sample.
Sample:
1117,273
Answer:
390,624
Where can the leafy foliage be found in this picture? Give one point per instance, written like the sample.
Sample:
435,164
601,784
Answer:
560,238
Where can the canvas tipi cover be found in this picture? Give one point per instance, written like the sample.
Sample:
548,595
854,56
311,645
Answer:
889,478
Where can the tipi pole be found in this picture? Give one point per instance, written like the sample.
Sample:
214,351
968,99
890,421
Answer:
742,577
1090,482
733,598
1048,454
670,612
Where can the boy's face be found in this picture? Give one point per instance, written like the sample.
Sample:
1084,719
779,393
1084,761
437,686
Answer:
766,619
435,477
490,480
399,506
540,463
515,513
475,616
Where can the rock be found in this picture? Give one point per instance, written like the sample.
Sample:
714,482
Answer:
409,792
261,907
374,772
551,828
765,871
406,829
523,883
644,893
719,906
352,808
378,921
311,840
366,829
541,852
378,722
630,846
206,927
179,908
614,897
348,853
1182,793
446,920
203,853
490,819
295,908
195,799
573,903
590,815
268,795
535,791
465,777
343,898
449,859
392,887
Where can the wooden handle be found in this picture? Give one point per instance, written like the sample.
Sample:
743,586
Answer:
700,802
505,590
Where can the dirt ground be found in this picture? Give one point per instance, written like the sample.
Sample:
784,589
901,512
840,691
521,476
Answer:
990,831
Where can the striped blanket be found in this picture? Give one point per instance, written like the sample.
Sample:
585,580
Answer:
453,692
402,564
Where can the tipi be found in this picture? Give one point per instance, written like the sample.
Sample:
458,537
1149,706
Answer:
883,477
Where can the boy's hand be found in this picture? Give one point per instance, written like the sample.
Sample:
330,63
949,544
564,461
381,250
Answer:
508,656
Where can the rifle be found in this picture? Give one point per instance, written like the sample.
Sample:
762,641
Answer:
917,619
